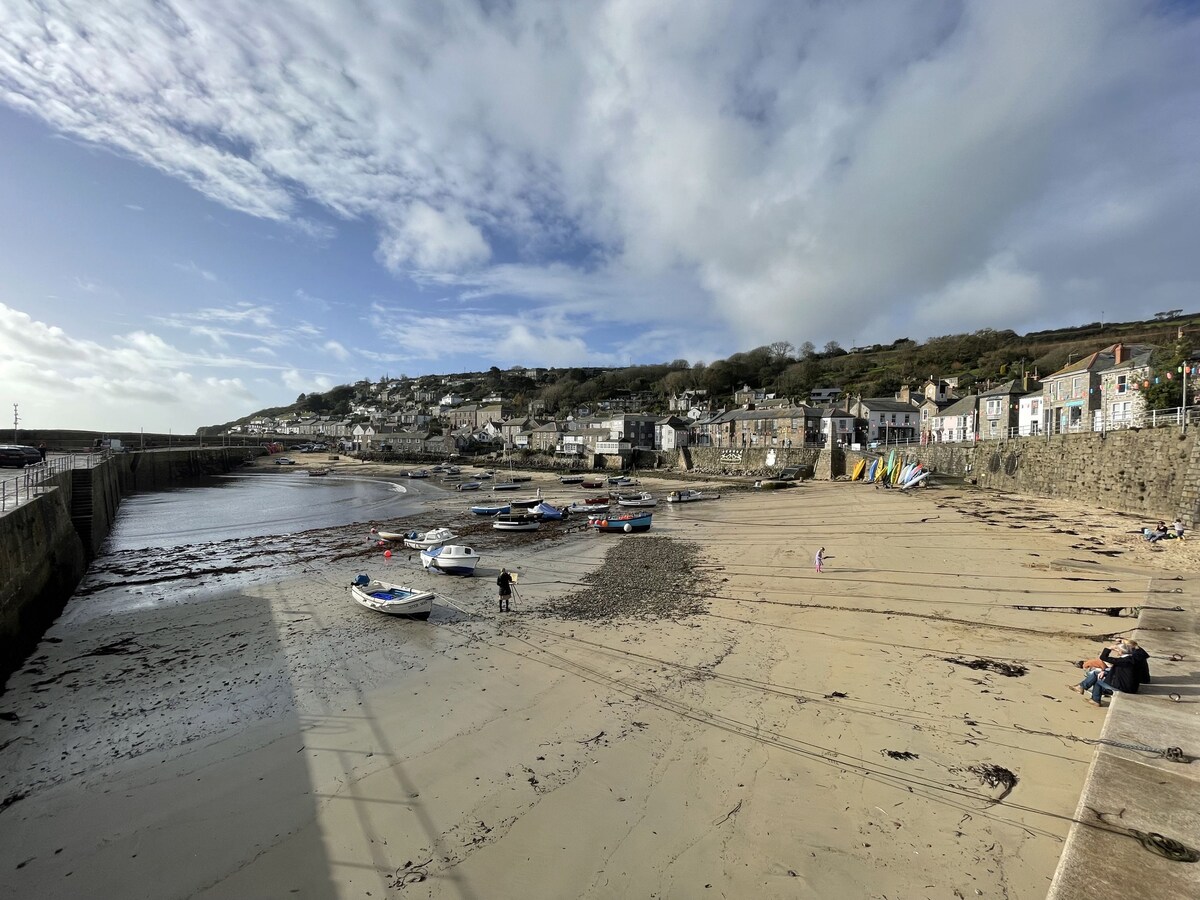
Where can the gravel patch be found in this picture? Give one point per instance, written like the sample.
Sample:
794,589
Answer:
641,578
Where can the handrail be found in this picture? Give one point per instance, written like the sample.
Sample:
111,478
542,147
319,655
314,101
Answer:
30,482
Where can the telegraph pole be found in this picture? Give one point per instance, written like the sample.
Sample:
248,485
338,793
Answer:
16,420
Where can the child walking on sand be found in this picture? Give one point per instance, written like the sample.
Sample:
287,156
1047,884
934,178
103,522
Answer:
820,558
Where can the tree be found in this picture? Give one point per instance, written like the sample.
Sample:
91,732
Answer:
808,350
833,348
782,351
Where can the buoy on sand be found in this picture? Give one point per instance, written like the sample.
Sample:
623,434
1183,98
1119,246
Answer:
387,554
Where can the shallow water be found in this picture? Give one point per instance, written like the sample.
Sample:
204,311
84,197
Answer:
245,506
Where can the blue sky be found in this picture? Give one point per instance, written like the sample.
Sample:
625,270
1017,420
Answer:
211,206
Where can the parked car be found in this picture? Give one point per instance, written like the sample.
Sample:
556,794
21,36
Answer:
17,456
284,461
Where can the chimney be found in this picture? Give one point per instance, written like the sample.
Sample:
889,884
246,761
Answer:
1120,354
905,394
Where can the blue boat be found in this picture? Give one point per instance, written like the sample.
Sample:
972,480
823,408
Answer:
624,522
485,510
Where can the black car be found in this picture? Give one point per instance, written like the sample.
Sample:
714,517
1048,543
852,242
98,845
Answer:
17,456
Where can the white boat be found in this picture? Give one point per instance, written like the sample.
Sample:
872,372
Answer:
578,508
515,522
691,496
435,537
570,479
453,559
468,486
528,503
393,599
645,498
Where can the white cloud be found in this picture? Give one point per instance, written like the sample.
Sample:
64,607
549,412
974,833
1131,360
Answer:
763,170
132,380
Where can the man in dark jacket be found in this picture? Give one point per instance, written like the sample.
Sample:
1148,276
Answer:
504,582
1123,674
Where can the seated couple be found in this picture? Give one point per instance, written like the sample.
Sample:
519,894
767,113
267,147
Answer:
1160,531
1125,671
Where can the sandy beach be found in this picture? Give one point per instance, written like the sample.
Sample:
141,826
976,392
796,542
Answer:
689,712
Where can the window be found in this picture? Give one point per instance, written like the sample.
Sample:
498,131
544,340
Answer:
1122,383
994,408
1076,387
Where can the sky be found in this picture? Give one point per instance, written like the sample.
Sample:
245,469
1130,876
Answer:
209,207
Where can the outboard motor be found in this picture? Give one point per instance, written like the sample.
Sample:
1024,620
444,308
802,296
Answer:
362,580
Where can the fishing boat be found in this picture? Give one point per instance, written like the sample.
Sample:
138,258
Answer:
622,522
570,479
493,509
521,478
505,486
547,512
588,508
516,522
392,599
620,480
593,481
644,498
527,503
468,486
435,537
419,473
453,559
691,496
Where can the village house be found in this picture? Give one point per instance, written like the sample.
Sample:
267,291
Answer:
957,422
685,401
886,419
1121,401
790,426
635,429
581,440
1030,414
837,427
671,433
824,396
1073,392
544,437
999,408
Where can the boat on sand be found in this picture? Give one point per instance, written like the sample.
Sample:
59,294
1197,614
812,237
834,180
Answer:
391,599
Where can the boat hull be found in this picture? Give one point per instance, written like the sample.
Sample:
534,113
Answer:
453,559
623,524
393,599
516,523
434,538
490,510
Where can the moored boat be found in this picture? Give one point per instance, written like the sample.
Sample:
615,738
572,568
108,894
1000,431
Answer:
593,481
644,498
392,599
691,496
516,522
468,486
622,522
453,559
570,479
418,473
505,486
493,509
435,537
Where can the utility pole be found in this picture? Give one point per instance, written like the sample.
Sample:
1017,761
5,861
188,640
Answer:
16,420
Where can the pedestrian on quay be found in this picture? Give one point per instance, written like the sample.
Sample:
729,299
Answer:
505,584
820,558
42,450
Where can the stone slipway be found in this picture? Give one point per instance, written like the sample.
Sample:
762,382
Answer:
1131,795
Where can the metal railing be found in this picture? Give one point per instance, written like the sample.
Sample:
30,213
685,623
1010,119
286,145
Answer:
30,482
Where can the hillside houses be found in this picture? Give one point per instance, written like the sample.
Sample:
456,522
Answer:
1100,390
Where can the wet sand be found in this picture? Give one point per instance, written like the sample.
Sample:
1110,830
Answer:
732,722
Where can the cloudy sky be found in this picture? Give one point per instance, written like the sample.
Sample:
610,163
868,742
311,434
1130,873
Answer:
211,206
